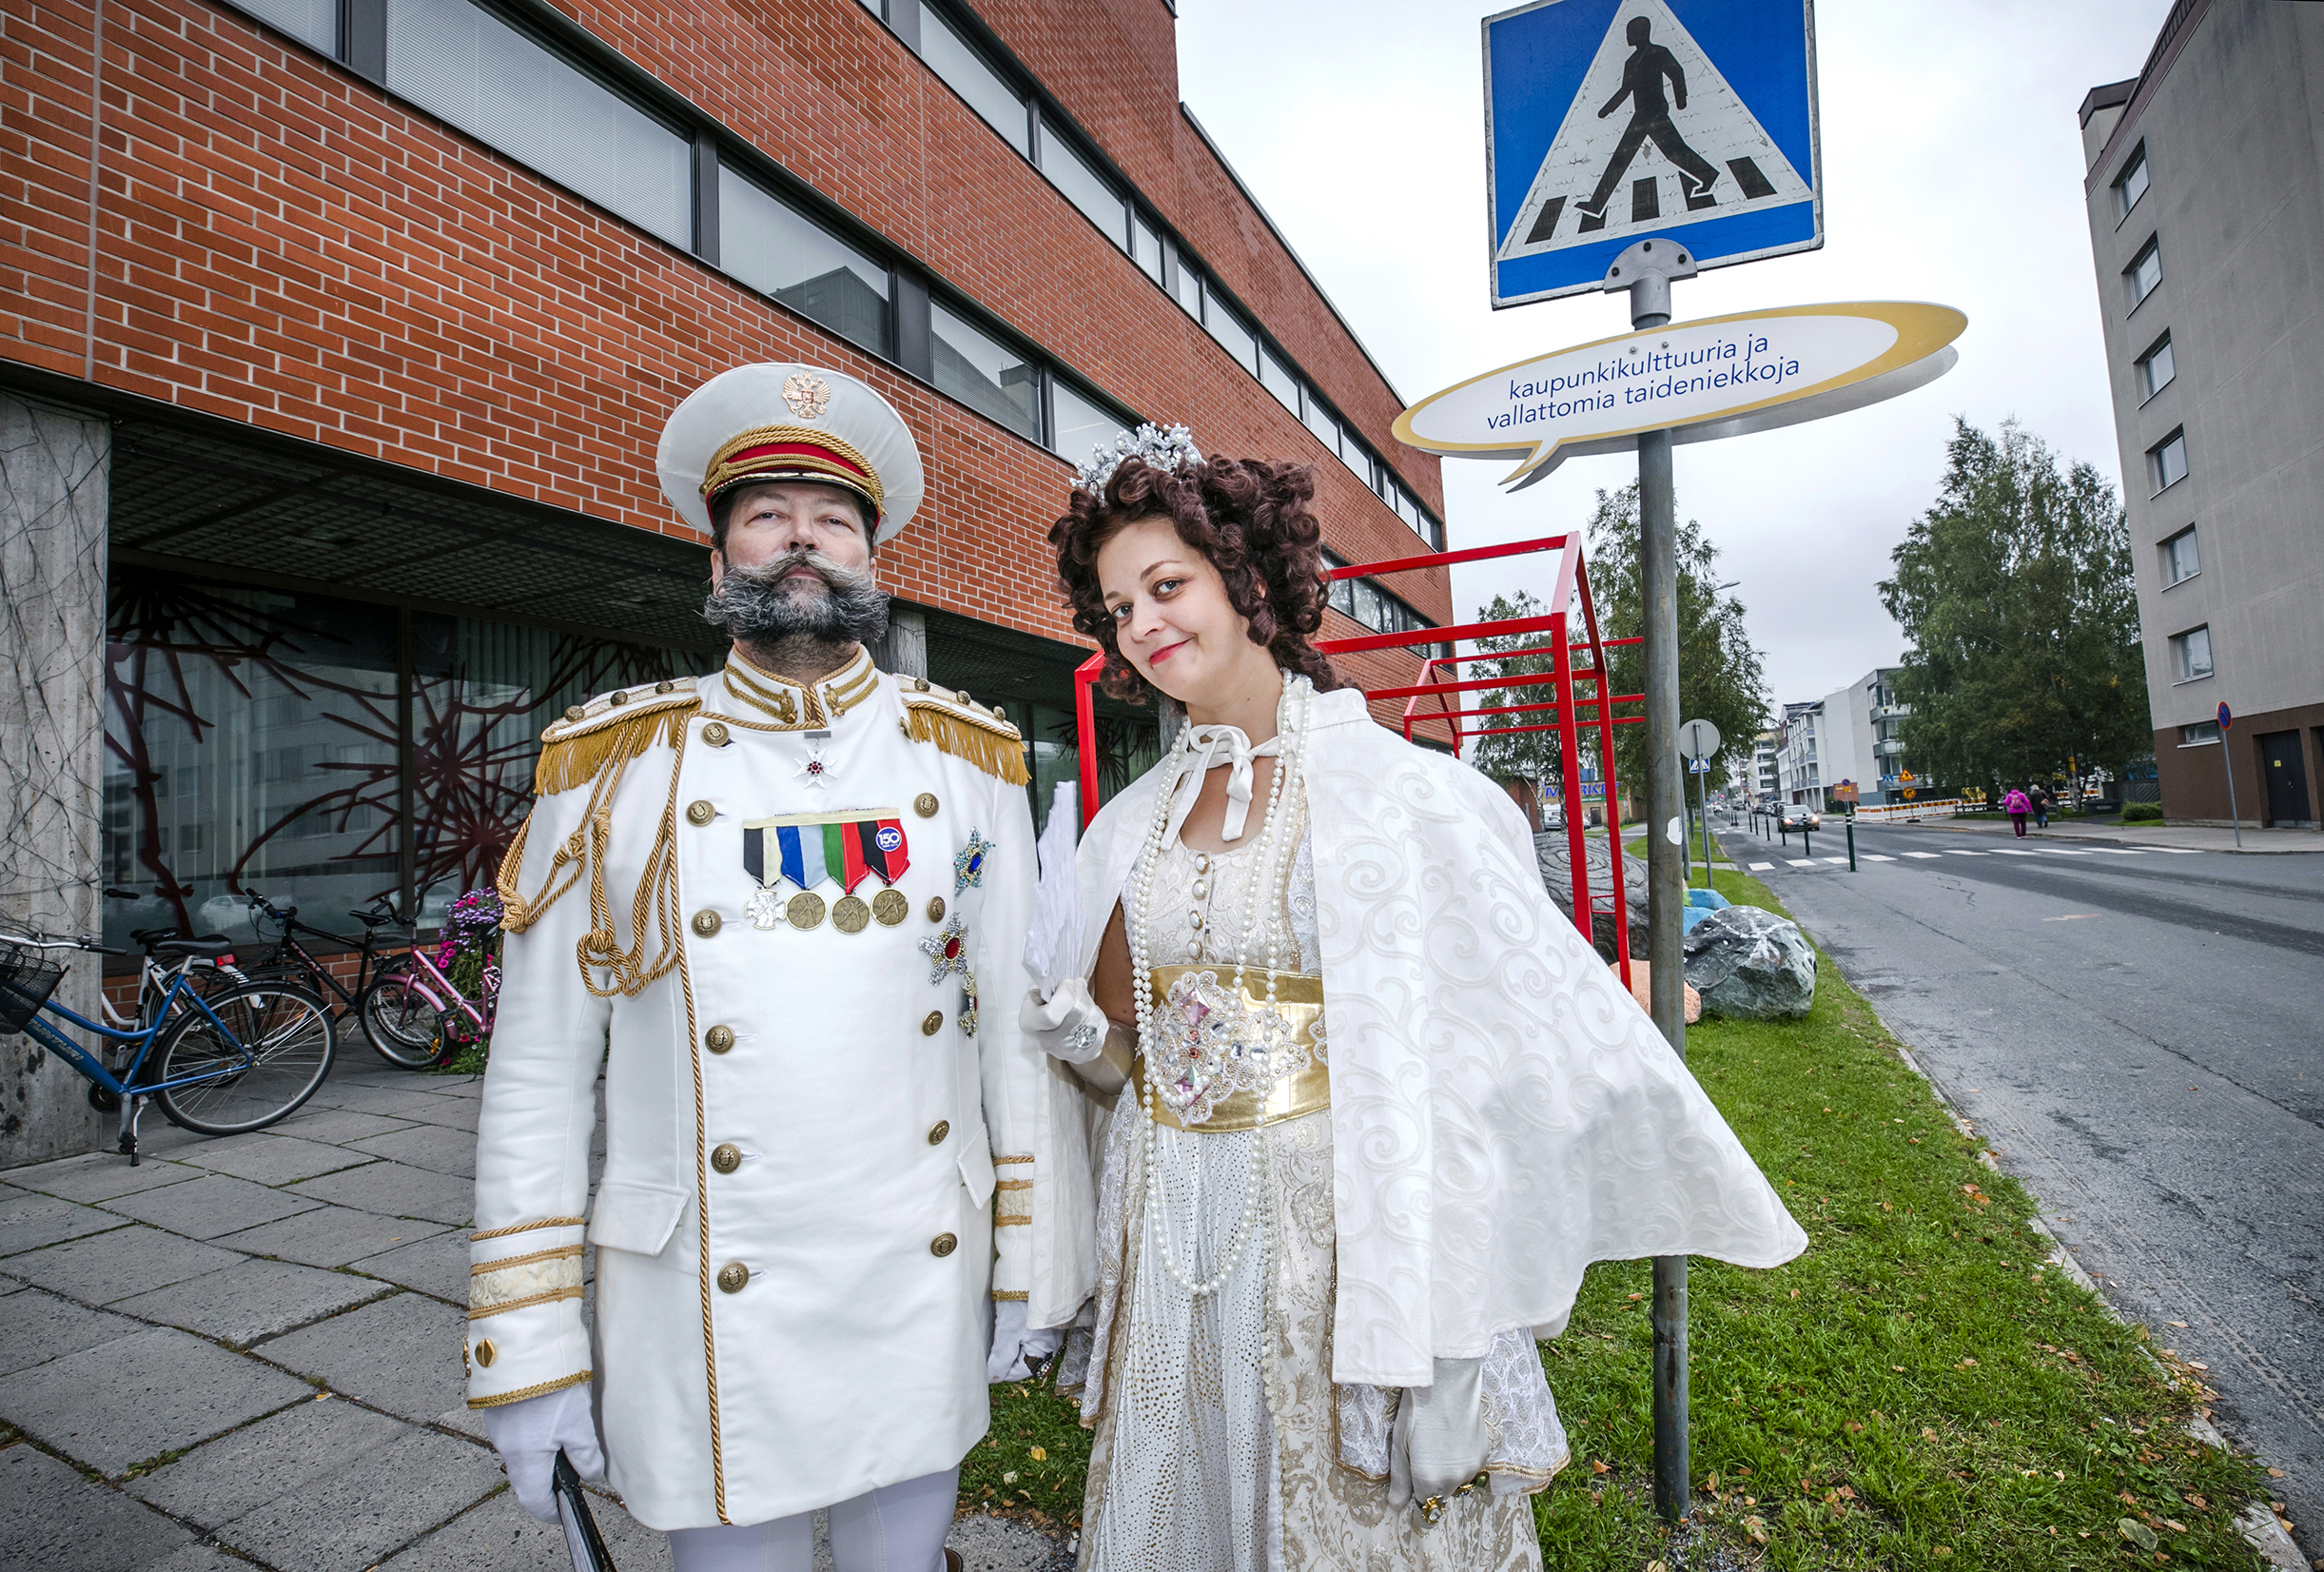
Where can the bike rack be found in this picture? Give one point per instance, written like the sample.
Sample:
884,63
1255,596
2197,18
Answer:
1577,656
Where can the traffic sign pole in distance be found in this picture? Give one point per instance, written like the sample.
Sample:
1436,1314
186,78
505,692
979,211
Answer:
1699,742
1608,122
2227,720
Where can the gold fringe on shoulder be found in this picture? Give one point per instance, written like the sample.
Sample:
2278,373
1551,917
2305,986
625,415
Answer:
993,747
570,761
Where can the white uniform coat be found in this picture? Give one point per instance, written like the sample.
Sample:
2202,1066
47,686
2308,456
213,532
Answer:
794,1234
1503,1112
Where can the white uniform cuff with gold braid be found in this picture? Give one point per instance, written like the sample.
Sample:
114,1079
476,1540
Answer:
525,1334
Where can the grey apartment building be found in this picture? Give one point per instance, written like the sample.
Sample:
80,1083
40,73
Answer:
2205,192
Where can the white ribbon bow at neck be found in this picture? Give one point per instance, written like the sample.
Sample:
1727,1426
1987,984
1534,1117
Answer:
1207,747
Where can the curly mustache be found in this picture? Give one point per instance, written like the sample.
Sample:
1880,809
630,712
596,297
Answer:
760,603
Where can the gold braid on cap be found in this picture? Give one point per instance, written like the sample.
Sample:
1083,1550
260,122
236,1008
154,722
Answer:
735,460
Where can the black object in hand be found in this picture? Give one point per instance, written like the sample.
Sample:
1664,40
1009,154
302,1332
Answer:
582,1536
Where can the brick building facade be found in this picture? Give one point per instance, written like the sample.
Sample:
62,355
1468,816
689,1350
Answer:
336,337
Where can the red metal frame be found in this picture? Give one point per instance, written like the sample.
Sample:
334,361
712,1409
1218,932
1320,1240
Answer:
1565,710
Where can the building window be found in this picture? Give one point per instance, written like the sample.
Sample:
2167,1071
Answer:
2144,272
2202,734
983,88
1078,424
314,23
1232,333
2166,462
2131,183
1083,186
1366,602
1320,422
1352,455
986,374
2191,654
1185,284
1149,252
778,251
1279,378
461,63
2181,561
2155,369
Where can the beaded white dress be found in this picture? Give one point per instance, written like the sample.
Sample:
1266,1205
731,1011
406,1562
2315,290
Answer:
1193,1468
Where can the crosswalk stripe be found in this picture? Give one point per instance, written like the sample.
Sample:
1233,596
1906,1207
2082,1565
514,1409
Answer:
1801,862
1841,863
2061,852
1955,851
2013,852
2177,851
2124,851
1929,855
1761,867
1875,856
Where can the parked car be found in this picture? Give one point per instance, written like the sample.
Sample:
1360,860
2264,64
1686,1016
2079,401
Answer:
1803,818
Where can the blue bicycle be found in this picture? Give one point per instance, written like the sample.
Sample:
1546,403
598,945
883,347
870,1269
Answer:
219,1062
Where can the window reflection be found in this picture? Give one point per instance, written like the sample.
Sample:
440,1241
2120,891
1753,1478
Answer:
778,251
984,374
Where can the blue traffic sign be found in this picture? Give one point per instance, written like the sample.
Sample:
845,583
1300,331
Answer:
1609,122
1698,766
2227,716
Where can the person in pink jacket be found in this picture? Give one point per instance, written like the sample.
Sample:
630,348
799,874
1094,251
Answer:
2016,805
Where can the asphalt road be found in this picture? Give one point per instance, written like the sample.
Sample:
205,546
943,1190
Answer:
2141,1039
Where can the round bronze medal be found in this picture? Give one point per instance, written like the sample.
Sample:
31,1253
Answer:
891,906
848,915
805,909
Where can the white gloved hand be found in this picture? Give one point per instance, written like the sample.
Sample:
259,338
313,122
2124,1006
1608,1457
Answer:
528,1436
1067,1026
1016,1348
1440,1440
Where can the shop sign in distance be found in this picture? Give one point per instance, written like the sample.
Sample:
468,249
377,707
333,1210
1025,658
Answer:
1721,377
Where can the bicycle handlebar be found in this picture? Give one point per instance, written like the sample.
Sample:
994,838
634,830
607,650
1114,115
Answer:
38,940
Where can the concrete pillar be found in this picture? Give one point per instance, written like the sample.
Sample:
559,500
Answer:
54,464
905,650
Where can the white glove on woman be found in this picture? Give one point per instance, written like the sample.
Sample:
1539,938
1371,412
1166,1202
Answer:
1068,1026
528,1435
1440,1440
1016,1348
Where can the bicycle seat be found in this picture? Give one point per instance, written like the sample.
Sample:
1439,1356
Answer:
152,936
375,919
207,947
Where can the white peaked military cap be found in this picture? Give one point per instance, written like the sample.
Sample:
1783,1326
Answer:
786,421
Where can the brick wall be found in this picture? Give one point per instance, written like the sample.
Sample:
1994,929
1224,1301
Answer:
280,243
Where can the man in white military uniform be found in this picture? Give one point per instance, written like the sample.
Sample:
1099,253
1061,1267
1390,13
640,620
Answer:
770,902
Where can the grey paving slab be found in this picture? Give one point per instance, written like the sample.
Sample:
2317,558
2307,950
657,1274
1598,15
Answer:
212,1205
98,1176
328,1236
400,1101
465,1419
198,1558
124,1402
395,1190
459,1086
400,1354
338,1125
251,1300
106,1267
440,1149
266,1158
987,1543
496,1535
279,1456
29,1221
352,1519
437,1266
456,1112
51,1520
37,1327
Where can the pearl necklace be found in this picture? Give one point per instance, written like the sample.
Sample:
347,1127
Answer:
1268,1028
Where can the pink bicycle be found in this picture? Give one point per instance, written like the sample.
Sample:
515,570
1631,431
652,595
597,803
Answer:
418,1018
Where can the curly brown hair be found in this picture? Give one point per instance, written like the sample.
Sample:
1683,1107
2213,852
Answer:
1249,519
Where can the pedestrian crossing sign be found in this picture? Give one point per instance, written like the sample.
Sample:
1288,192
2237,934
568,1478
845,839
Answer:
1609,122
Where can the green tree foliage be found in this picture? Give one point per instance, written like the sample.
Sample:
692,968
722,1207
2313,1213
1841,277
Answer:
1533,755
2017,593
1721,674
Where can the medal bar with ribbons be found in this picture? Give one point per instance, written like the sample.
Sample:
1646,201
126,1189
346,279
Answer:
807,848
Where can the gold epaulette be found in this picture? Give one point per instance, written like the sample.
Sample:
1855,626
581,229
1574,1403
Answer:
618,725
964,728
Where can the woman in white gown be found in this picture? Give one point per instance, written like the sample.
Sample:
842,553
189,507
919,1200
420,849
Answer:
1383,1103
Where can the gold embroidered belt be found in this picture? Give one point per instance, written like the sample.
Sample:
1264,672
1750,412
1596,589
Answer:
1298,1000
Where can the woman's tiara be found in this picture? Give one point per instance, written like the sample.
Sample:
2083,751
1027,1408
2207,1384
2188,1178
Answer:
1159,447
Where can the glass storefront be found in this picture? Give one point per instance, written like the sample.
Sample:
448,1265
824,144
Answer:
320,751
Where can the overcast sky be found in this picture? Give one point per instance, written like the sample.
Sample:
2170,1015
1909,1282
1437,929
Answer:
1952,169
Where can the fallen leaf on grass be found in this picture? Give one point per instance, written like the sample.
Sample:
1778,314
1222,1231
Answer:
2174,1526
2198,1504
1039,1455
2180,1325
1928,1432
1598,1467
2135,1531
1968,1364
1853,1427
1848,1492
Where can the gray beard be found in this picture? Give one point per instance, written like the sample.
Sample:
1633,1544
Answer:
756,605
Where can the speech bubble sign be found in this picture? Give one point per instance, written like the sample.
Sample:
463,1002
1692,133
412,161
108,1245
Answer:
1702,381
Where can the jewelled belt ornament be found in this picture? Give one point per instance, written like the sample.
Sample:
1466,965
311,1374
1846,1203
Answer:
809,848
1229,1065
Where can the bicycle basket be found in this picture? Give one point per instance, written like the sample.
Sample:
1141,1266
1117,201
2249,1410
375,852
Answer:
27,979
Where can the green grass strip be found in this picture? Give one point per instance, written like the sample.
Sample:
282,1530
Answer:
1919,1390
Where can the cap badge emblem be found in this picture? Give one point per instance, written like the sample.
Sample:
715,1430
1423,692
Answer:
806,394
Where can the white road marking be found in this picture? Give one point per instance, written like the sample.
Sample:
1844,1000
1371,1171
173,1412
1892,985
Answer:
1761,867
2176,850
2013,852
1875,856
1801,862
1928,856
2061,852
1956,852
1841,863
2124,851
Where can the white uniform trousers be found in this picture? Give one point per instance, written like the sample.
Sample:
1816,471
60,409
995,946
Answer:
895,1528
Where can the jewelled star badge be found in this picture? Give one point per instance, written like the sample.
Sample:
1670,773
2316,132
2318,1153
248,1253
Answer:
815,770
946,951
968,862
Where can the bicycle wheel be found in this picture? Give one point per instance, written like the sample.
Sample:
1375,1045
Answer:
399,1023
290,1043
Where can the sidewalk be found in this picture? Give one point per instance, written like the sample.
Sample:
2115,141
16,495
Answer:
2193,837
254,1344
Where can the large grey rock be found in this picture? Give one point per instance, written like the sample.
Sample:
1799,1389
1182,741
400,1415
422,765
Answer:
1551,851
1748,961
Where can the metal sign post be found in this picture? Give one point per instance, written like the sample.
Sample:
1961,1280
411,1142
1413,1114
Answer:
2227,719
1699,742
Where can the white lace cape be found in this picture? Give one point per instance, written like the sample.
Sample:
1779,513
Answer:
1503,1112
